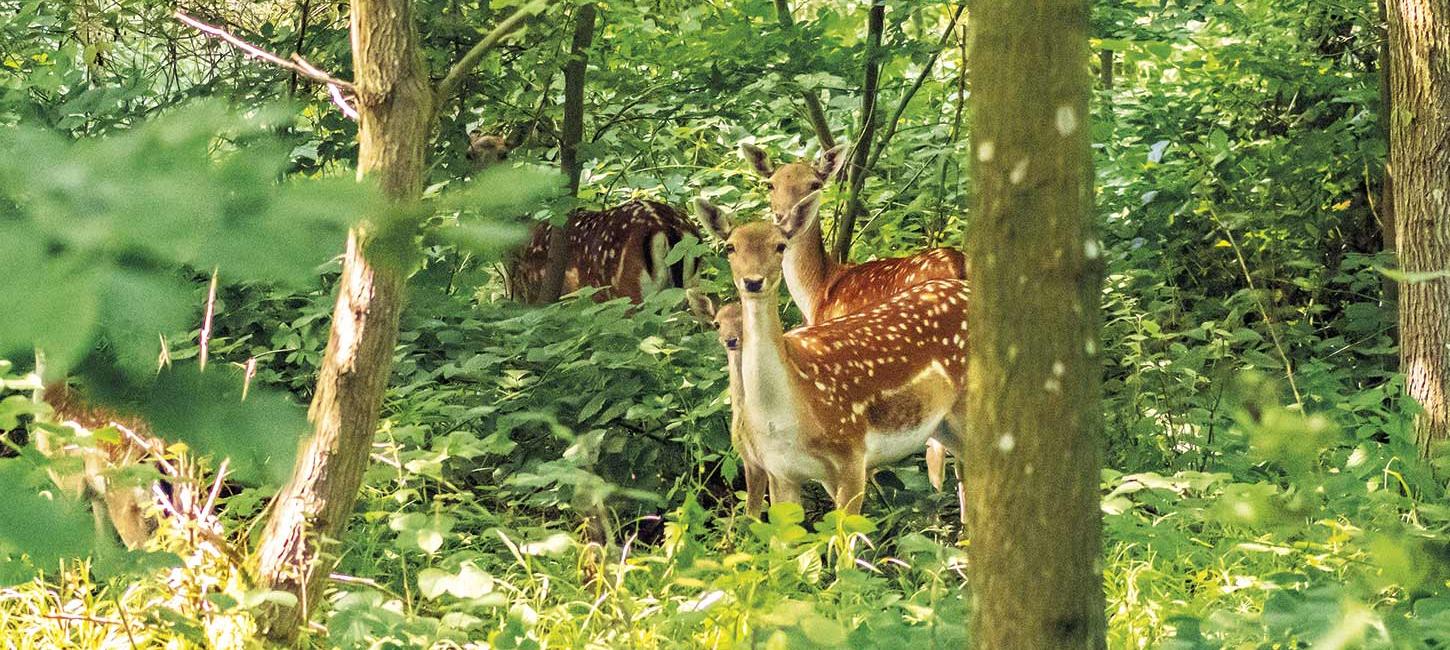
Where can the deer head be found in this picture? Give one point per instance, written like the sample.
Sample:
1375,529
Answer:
486,150
757,249
792,182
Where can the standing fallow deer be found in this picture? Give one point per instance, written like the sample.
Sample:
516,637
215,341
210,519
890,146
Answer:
824,288
729,326
621,249
832,400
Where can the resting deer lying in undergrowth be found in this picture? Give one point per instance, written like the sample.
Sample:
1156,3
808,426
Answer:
728,324
824,288
124,505
621,249
832,400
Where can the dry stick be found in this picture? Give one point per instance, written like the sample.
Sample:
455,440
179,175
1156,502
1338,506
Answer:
206,319
336,87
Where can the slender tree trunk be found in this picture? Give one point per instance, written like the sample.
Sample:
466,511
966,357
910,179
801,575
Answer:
814,111
1389,289
861,148
1034,384
572,135
394,106
1420,160
1105,69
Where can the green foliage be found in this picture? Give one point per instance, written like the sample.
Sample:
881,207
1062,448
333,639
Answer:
1263,489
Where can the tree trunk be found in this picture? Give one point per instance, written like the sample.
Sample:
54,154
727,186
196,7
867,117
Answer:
1034,385
572,134
1389,289
814,111
1105,69
861,148
394,106
1420,159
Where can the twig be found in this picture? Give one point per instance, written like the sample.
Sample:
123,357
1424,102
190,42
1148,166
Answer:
337,89
1263,310
455,75
83,619
206,319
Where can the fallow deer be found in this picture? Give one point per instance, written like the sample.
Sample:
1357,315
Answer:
126,506
836,398
824,288
728,324
621,249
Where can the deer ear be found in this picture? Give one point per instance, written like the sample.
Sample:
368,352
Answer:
829,165
701,306
713,218
801,215
757,159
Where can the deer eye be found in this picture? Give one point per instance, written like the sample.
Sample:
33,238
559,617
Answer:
769,185
730,249
815,185
780,248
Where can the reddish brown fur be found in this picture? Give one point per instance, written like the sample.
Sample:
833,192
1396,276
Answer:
611,248
607,248
124,505
843,395
815,279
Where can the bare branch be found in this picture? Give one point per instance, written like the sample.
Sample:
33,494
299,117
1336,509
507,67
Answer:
337,89
454,78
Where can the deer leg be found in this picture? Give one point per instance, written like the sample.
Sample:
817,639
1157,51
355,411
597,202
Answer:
755,485
849,490
936,458
953,435
784,490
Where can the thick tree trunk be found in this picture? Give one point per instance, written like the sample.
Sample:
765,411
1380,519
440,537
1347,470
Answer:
1420,160
861,148
814,111
572,134
394,105
1034,383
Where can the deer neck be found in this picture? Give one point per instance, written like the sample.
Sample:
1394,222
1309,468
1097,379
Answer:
807,270
737,390
767,374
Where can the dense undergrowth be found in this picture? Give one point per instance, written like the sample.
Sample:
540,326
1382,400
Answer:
1262,489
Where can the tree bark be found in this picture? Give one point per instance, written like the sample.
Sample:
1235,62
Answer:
1105,69
1389,289
861,148
814,111
1419,38
572,134
1034,383
312,510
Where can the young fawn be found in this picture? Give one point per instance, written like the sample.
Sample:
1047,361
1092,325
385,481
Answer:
728,324
824,288
621,249
834,399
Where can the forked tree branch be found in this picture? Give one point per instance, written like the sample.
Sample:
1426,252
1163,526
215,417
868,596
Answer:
337,89
454,78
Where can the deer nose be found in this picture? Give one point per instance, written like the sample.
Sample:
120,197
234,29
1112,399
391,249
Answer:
732,343
753,285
